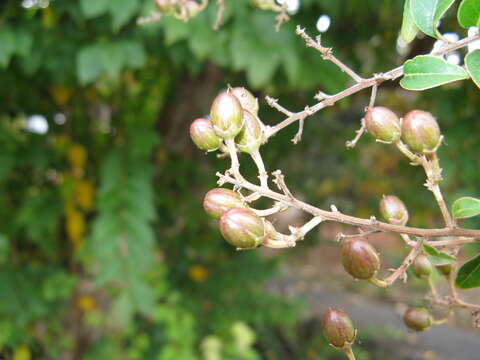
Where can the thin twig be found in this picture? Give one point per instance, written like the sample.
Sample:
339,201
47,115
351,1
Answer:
220,11
352,143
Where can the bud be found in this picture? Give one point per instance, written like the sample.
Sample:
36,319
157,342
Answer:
393,210
249,138
338,328
417,319
217,201
226,114
422,267
445,269
164,6
204,136
193,8
360,259
420,131
247,100
242,228
383,124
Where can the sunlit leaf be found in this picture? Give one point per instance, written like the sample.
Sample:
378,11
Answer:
409,29
472,63
466,207
469,13
468,275
427,13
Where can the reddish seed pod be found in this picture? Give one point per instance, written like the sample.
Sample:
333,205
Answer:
383,124
249,138
218,201
204,136
247,100
422,267
417,319
226,115
360,259
338,329
420,131
393,210
242,228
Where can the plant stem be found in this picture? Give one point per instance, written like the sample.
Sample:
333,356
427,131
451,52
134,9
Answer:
347,349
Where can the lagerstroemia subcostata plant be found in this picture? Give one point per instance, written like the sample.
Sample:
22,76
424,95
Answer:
234,127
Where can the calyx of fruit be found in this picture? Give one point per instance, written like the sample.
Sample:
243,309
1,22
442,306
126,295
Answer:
249,138
247,100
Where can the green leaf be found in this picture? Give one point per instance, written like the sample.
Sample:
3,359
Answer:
122,11
427,13
472,63
93,8
466,207
89,66
469,13
409,29
468,275
425,72
436,257
7,46
113,58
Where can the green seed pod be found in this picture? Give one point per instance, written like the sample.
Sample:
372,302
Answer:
226,114
218,201
360,259
249,138
393,210
422,267
383,124
417,319
242,228
446,269
247,100
338,329
420,131
204,136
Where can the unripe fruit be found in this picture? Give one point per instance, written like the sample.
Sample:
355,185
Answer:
247,100
338,328
249,138
417,319
383,124
227,115
242,228
204,136
218,201
360,259
422,267
393,210
420,131
445,269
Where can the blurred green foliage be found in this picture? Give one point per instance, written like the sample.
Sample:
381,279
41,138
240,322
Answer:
105,252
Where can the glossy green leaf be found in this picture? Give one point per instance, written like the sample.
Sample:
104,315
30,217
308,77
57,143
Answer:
409,29
437,257
466,207
425,72
468,275
472,63
469,13
427,13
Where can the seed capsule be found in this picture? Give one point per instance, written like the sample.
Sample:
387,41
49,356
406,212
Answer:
422,267
360,259
383,124
247,100
249,138
227,115
204,136
420,131
393,210
242,228
218,201
338,329
417,319
445,269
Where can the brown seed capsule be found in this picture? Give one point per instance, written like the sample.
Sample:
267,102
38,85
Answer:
247,100
360,259
445,269
217,201
417,319
393,210
338,329
249,138
383,124
242,228
420,131
204,136
422,267
226,115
